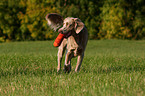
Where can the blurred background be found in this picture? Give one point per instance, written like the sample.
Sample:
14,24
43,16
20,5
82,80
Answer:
24,20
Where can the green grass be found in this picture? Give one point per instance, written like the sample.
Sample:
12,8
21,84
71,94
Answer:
110,68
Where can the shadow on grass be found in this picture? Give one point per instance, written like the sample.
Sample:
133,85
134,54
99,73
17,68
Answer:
53,71
28,72
108,70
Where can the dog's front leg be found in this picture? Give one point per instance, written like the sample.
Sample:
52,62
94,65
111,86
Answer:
61,50
79,62
59,59
67,65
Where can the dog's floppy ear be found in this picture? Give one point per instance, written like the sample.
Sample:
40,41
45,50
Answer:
79,25
54,20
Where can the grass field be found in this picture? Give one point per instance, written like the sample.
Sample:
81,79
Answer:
110,68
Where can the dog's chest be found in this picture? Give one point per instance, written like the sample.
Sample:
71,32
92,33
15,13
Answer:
73,45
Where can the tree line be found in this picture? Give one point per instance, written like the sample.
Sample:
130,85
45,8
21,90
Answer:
105,19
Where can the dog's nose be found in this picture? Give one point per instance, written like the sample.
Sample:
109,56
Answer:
60,31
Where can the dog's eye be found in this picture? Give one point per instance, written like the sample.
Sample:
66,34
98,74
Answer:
66,23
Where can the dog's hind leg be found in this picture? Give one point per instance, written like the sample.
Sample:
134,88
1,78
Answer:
79,62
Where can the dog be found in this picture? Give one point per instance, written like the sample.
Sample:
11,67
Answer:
75,41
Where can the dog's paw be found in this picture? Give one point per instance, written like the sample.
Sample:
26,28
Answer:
67,68
58,70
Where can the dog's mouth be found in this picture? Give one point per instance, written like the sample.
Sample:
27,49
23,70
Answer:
68,34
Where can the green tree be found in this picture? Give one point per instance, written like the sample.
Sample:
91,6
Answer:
9,22
33,23
104,19
138,25
113,24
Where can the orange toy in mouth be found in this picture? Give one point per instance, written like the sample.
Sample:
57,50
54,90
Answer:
58,40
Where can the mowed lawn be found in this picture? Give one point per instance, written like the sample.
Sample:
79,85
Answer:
110,68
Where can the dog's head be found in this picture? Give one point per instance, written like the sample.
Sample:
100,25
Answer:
69,23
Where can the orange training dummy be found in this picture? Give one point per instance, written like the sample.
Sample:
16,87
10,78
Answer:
58,40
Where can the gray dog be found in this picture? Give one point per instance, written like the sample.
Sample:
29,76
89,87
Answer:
75,41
